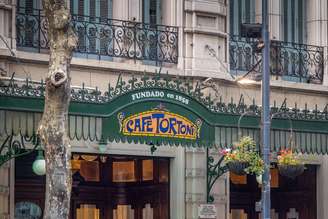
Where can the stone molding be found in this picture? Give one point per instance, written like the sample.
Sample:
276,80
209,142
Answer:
4,190
197,198
195,173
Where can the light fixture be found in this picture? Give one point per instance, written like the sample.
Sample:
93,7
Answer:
102,145
39,165
245,81
252,76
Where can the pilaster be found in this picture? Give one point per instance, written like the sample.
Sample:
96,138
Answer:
317,27
205,28
6,28
196,191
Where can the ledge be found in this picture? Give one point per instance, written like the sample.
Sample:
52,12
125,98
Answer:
208,31
119,65
30,57
290,86
206,7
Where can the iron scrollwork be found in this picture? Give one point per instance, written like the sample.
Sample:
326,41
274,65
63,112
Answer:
101,37
290,61
215,169
15,146
27,88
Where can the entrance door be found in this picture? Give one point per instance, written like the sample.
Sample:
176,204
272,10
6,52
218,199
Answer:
127,188
104,187
290,198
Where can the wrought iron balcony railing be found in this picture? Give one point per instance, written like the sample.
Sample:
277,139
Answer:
290,61
103,38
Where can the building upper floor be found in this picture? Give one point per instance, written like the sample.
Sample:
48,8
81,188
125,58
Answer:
185,37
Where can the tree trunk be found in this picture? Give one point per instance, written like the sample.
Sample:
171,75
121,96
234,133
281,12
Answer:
53,126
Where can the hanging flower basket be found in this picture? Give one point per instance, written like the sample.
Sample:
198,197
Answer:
237,167
289,164
243,158
291,171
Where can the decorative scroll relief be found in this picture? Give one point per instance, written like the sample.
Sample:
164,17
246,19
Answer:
159,123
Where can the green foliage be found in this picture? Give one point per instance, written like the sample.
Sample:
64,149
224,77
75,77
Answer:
287,157
245,151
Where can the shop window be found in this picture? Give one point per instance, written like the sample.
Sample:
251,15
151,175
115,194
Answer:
87,166
238,179
163,171
274,215
124,171
27,210
86,211
147,212
147,170
292,214
238,214
123,212
274,183
90,171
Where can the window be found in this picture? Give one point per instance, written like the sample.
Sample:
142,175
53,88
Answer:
152,12
163,171
123,212
86,211
241,11
86,166
93,36
293,17
147,170
238,214
124,171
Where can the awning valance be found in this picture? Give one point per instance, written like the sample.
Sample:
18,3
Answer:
26,124
160,111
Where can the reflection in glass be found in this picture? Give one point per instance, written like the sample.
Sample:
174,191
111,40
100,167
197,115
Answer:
238,214
90,170
123,171
87,212
27,210
147,170
163,171
147,212
273,214
123,212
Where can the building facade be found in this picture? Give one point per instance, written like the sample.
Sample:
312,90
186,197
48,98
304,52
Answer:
199,42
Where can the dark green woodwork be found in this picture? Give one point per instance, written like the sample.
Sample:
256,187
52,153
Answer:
90,108
94,116
215,169
16,146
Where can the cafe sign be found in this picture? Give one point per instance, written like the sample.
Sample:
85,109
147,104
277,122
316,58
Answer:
159,123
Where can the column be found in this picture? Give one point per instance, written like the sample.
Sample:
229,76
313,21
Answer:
5,191
196,191
322,190
317,27
205,30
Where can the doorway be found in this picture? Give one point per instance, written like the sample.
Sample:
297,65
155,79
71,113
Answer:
290,198
104,187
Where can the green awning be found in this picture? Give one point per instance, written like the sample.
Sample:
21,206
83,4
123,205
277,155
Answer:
162,111
87,128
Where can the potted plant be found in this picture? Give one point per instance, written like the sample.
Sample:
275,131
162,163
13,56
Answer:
243,158
289,164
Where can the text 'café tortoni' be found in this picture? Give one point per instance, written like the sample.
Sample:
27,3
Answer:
147,115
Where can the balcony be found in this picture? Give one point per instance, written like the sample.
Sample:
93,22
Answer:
289,61
103,38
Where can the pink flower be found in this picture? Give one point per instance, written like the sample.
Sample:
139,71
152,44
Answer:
225,151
